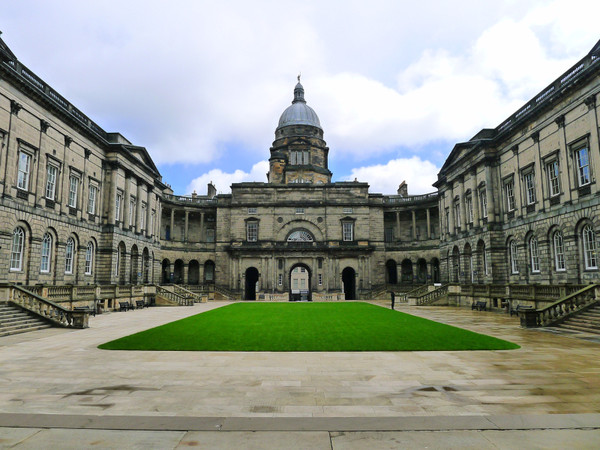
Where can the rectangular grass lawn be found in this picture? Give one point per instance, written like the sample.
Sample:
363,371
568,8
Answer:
306,327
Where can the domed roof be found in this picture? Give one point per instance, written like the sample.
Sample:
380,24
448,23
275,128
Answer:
299,113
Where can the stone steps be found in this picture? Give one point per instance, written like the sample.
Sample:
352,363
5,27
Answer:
587,321
14,320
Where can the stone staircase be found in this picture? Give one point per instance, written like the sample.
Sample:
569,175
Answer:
587,321
14,320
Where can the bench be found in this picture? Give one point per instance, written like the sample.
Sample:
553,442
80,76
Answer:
515,311
479,306
139,304
125,306
86,309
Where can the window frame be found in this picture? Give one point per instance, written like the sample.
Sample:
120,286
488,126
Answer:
23,181
529,186
92,198
252,231
347,231
553,177
559,256
69,256
89,259
534,255
579,166
46,253
483,202
469,208
18,238
589,247
509,193
513,257
50,183
118,205
74,181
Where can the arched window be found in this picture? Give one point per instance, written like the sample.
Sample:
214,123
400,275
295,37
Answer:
300,236
559,251
16,254
589,247
69,251
89,258
534,255
512,251
46,253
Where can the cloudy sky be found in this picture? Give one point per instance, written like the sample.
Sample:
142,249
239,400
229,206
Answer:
201,84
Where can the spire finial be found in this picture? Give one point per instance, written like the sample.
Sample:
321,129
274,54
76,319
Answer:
299,75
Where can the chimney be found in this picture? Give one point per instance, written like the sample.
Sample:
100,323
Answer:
403,189
212,190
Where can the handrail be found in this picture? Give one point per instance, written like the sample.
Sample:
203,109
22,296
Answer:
417,292
187,293
173,296
559,310
432,296
47,309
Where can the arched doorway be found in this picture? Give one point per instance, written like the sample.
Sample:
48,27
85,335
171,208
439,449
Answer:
407,271
193,272
209,271
391,271
435,270
349,281
421,271
166,271
300,279
178,272
251,282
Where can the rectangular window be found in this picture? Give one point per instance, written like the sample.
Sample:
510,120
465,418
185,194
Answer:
143,218
299,210
24,168
509,189
280,279
118,203
252,210
320,263
529,188
347,210
210,235
73,186
583,166
51,182
457,215
252,231
513,257
483,201
389,235
132,204
553,178
469,205
320,279
348,231
92,199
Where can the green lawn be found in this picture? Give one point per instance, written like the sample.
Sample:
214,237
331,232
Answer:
306,327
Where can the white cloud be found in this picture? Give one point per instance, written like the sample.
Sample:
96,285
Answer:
384,178
223,180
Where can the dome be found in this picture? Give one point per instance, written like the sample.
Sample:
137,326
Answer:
299,113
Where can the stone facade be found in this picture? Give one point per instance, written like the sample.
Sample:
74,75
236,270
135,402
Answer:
520,203
515,204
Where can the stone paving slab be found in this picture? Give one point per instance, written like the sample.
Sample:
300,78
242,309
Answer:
65,373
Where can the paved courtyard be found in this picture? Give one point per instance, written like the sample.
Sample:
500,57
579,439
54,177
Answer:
61,373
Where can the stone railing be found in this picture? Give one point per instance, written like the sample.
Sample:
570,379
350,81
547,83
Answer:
432,296
188,199
409,198
45,308
414,293
174,297
526,292
178,289
560,310
229,295
273,297
333,297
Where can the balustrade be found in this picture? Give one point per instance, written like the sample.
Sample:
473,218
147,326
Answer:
556,312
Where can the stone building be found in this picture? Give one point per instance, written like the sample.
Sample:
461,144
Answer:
519,203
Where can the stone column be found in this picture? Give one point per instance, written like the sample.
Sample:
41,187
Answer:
149,231
475,200
172,224
428,223
461,205
594,138
414,224
451,210
563,159
186,234
113,197
489,187
127,197
138,208
202,234
397,225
